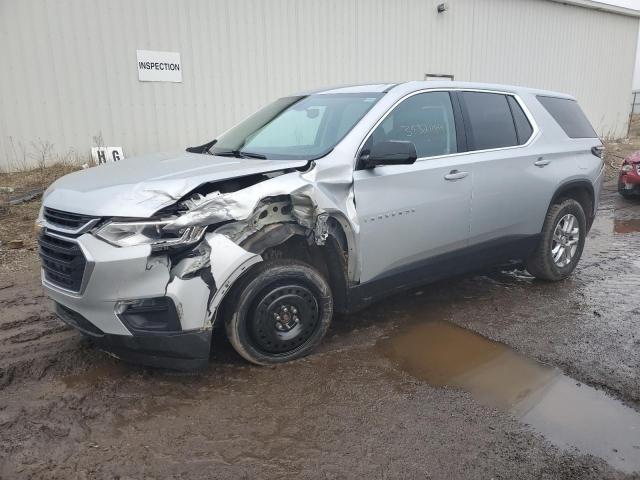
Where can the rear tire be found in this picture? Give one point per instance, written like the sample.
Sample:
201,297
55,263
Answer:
280,311
562,242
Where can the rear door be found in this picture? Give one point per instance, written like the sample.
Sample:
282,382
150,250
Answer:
409,214
509,176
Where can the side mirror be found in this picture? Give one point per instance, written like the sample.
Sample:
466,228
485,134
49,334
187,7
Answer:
389,152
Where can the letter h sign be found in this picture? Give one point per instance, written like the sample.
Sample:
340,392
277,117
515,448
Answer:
102,155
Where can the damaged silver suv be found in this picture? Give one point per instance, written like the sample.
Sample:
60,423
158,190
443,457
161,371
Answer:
318,203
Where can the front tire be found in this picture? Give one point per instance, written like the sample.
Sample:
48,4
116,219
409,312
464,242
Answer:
562,242
280,311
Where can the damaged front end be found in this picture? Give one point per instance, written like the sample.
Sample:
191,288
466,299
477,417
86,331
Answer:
169,234
241,225
156,285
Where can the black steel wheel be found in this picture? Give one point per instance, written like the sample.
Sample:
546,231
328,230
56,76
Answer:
279,311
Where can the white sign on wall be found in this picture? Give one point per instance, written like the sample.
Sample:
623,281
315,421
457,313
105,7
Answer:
102,155
159,66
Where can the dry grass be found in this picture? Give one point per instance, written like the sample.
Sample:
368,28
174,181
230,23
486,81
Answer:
38,178
615,152
17,222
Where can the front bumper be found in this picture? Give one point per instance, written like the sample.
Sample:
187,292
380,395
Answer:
173,350
629,182
115,275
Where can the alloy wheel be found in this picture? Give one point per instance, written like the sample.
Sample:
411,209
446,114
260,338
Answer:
565,240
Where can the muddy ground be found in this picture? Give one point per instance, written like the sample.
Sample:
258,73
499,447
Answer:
351,410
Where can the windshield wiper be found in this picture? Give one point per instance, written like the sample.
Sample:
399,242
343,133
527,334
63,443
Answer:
240,154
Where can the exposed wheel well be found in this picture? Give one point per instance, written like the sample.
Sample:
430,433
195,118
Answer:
292,241
330,259
581,192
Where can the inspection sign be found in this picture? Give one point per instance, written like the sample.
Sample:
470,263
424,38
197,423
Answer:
156,66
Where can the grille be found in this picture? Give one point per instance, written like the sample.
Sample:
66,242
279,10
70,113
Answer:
62,261
67,221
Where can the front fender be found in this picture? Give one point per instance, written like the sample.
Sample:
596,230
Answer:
228,262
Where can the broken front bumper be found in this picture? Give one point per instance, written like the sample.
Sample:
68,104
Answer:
172,350
116,277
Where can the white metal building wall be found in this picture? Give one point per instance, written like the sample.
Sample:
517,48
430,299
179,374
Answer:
69,67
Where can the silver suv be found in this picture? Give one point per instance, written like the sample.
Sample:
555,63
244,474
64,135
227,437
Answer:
318,203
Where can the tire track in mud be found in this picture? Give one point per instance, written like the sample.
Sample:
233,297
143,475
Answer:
32,339
14,324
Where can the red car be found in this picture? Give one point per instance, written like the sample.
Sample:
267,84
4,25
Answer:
629,178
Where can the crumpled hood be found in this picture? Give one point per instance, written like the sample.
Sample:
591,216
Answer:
140,186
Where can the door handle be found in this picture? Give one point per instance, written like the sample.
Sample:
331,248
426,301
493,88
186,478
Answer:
455,175
541,162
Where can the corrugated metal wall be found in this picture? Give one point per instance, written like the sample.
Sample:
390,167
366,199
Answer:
69,68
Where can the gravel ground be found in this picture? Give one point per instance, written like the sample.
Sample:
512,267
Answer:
348,411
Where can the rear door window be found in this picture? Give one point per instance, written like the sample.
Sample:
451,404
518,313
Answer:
488,120
569,116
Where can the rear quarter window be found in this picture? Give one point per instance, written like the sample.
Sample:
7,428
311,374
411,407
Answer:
524,130
569,116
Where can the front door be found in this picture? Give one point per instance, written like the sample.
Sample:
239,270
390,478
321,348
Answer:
410,215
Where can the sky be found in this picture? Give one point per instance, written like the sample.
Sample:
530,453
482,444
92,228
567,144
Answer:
635,4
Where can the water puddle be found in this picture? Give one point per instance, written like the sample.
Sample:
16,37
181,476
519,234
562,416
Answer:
567,413
631,225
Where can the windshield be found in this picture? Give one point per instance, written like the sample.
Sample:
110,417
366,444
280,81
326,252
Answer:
305,127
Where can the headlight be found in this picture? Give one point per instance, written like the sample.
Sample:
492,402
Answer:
152,232
627,167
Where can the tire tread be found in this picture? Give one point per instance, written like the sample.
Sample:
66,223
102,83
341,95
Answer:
540,264
274,269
